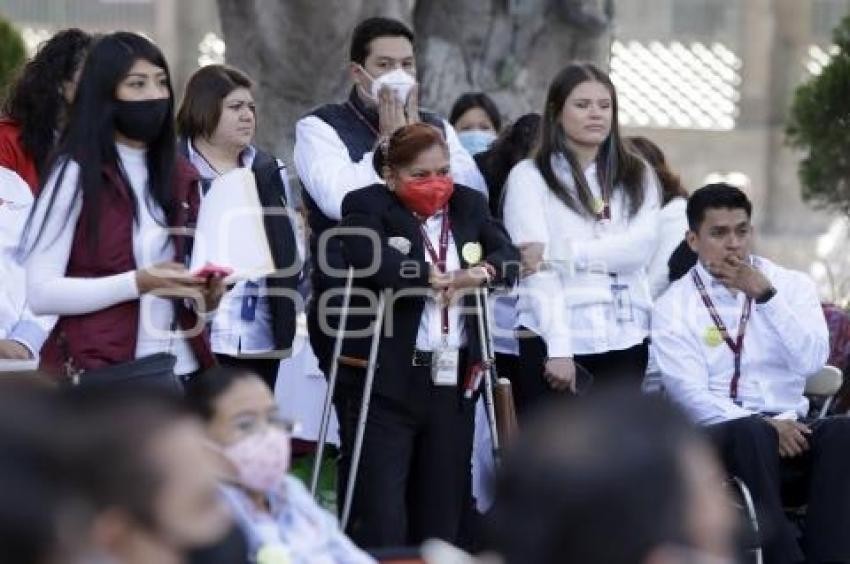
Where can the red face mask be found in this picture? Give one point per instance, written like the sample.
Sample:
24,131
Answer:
425,196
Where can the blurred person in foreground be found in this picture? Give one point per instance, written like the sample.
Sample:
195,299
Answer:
33,491
736,339
274,509
95,477
138,460
615,479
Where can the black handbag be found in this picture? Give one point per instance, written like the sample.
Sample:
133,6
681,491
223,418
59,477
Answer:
152,371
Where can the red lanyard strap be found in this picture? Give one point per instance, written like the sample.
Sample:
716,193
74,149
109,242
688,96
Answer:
737,345
439,260
362,118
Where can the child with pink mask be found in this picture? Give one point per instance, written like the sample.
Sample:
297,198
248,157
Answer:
281,521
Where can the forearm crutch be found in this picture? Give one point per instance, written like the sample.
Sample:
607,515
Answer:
364,411
487,360
326,409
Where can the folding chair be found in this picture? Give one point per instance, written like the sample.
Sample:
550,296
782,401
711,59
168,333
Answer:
821,389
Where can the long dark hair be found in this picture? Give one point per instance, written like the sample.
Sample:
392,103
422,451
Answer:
36,102
616,164
89,138
671,184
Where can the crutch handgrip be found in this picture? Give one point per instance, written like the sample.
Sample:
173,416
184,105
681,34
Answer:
506,419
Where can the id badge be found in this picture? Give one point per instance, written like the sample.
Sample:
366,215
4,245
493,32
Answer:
249,301
444,367
622,302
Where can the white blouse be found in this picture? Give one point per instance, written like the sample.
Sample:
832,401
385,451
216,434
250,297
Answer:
672,226
51,292
592,295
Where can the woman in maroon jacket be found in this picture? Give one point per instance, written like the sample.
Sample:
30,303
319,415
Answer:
104,249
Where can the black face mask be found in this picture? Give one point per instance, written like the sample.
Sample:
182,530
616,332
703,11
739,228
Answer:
141,120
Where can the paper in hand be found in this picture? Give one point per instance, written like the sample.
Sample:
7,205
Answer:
230,232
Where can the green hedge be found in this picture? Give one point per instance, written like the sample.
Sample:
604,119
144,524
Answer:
13,52
819,124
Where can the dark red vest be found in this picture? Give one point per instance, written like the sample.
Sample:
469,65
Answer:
108,336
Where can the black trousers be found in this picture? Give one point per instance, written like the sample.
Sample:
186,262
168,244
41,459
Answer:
414,473
626,366
820,478
265,368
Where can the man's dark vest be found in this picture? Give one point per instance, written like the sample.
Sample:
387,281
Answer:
281,236
357,127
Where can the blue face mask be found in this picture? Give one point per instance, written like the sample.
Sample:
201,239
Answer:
476,140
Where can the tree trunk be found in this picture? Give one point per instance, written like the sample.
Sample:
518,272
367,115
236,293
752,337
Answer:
297,52
509,49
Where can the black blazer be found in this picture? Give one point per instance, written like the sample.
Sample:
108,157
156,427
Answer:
377,209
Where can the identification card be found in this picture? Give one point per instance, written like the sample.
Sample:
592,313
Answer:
622,302
444,367
249,301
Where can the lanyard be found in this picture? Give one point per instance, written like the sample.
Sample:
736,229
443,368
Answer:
737,345
440,260
362,118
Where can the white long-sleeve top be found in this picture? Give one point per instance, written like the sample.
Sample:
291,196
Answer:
672,226
328,173
570,303
17,320
51,292
786,340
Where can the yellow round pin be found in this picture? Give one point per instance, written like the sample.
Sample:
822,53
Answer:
598,205
712,337
274,554
471,253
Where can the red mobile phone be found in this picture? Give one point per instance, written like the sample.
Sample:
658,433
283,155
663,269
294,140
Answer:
209,270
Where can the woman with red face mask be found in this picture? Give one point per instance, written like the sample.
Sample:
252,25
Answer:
427,243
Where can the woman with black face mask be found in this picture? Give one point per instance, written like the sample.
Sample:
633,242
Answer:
104,246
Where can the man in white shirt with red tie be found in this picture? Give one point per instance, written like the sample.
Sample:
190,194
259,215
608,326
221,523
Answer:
735,339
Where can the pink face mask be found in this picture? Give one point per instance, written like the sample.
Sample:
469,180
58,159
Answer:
262,459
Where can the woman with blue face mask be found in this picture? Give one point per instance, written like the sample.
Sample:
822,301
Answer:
476,118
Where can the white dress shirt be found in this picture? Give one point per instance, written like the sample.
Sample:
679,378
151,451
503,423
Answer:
51,292
230,334
672,226
786,340
571,302
430,335
17,321
328,174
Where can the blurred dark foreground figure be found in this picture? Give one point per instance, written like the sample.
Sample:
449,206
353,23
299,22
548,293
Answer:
105,476
615,479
